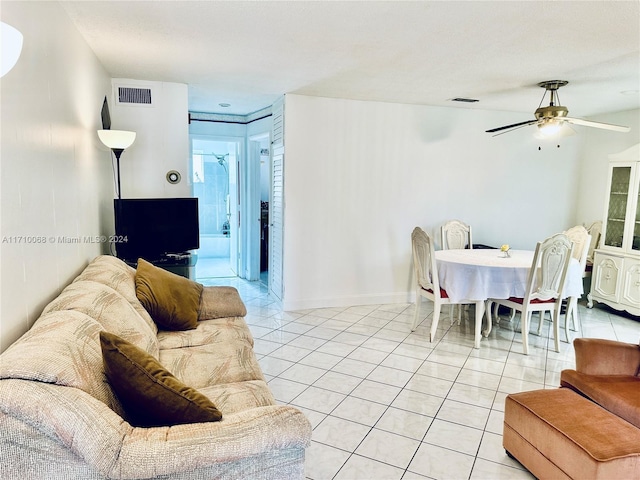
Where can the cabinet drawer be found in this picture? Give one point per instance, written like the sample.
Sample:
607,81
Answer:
607,276
630,291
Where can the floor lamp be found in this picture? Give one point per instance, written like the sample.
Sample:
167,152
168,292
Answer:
117,141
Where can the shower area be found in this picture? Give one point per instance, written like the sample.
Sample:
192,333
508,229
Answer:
214,167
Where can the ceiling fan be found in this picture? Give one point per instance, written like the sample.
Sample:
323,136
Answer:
552,118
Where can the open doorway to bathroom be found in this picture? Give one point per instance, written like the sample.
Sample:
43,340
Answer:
259,152
215,163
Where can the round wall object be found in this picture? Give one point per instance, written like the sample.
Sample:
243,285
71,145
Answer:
173,177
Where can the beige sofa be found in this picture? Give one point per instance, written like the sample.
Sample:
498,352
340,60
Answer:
590,427
60,418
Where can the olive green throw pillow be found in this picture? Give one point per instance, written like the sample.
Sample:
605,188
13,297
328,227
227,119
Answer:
171,300
150,395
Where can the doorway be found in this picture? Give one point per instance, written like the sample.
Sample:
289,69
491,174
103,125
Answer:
215,166
259,153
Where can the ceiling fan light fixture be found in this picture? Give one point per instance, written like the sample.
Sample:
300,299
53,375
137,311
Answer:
549,127
552,118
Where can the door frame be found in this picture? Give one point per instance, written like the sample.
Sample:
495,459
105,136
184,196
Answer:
236,260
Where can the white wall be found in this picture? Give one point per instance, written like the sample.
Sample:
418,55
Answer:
360,175
162,141
56,178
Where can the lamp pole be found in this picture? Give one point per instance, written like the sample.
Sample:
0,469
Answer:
117,152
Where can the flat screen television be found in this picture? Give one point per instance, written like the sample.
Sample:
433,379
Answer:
152,228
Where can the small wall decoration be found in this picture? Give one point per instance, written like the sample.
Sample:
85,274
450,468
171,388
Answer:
173,177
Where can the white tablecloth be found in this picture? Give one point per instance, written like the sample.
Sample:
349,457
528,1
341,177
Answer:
485,273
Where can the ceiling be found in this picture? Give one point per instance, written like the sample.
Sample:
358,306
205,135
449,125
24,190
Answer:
247,54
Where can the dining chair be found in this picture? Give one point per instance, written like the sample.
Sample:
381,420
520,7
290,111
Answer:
595,230
581,241
428,285
545,286
456,235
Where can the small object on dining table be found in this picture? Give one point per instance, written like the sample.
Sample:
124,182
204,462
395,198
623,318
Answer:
505,250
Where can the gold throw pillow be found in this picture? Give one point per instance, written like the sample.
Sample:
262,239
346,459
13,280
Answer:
171,300
150,395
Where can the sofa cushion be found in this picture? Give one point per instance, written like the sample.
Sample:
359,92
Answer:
114,273
556,433
237,397
220,302
173,301
151,395
620,394
110,309
207,332
61,348
599,356
227,361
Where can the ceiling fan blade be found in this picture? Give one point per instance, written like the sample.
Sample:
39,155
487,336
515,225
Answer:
589,123
511,130
528,122
566,131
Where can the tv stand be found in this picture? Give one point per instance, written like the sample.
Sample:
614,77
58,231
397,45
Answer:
183,264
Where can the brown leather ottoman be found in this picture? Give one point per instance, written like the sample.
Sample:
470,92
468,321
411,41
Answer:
560,434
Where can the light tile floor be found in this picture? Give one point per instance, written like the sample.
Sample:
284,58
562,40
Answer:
209,267
385,403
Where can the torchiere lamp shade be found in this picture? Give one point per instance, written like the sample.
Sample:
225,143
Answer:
117,139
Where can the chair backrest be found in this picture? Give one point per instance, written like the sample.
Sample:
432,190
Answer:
595,230
424,261
549,268
581,241
456,235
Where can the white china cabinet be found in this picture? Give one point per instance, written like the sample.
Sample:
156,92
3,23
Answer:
616,264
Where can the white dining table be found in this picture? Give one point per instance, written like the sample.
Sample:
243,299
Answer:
480,274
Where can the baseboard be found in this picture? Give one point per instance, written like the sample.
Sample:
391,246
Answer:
349,300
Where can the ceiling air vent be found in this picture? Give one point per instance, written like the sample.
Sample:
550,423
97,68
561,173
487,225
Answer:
464,100
134,96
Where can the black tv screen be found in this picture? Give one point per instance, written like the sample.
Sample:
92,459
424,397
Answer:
151,228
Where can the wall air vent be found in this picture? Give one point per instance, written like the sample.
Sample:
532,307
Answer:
134,96
464,100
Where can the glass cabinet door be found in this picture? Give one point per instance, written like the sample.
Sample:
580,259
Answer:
618,199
